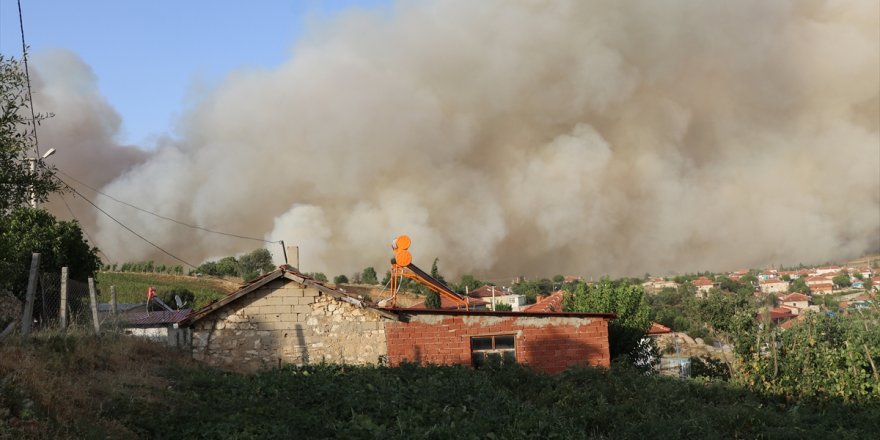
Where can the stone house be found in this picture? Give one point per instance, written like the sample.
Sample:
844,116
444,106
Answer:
287,317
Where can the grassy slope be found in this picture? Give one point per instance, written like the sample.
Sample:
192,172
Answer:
83,388
132,287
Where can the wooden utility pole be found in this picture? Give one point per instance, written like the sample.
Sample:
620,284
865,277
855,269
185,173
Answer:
62,311
28,317
93,302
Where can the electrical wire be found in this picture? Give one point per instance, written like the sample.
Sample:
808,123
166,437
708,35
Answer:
201,228
83,228
27,77
126,227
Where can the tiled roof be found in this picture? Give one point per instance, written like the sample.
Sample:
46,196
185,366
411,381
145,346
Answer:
158,317
795,297
486,292
552,303
703,282
658,329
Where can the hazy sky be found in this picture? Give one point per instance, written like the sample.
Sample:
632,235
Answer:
506,137
149,56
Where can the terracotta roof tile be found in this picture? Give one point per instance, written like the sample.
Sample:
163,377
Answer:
552,303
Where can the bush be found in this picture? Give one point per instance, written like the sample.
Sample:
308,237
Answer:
186,296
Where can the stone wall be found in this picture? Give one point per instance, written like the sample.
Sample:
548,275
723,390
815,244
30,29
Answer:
284,322
547,343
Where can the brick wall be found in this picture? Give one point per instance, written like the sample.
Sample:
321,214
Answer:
283,322
547,343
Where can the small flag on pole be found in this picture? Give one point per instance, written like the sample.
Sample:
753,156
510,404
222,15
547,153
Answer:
151,292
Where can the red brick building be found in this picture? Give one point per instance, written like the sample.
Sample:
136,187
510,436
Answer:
549,342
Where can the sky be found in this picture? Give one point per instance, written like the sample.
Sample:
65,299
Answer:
506,138
131,44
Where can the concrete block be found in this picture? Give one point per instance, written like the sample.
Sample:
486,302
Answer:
311,292
301,309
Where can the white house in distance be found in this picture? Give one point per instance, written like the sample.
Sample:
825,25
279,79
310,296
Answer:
499,295
773,285
703,285
825,270
796,302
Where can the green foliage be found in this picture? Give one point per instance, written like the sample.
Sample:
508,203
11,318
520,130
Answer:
633,315
167,296
468,283
251,265
132,287
318,276
531,289
820,357
841,280
247,267
439,402
24,231
368,276
709,368
340,279
432,300
503,307
558,279
17,143
799,285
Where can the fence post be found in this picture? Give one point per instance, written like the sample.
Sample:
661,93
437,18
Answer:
113,301
28,317
62,311
93,302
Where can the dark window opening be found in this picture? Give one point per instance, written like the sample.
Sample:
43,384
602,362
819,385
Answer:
493,350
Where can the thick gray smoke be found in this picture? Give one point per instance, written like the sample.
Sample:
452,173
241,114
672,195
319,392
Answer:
536,138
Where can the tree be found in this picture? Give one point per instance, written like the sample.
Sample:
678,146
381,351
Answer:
627,301
258,261
558,278
318,276
60,243
340,279
432,300
841,280
468,283
368,276
435,272
17,143
503,307
799,285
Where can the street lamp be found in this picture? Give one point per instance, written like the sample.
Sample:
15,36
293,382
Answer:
32,162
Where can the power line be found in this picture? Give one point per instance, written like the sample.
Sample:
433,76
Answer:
27,77
83,228
201,228
126,227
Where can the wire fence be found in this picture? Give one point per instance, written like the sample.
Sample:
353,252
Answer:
57,302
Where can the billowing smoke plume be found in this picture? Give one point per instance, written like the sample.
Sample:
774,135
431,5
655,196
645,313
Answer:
530,138
83,128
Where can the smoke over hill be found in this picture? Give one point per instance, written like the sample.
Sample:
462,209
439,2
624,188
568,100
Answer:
530,137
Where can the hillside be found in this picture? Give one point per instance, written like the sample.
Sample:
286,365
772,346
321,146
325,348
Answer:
132,287
117,387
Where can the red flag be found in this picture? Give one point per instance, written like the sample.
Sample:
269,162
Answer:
151,292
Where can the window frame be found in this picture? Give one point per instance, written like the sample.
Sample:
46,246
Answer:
485,353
